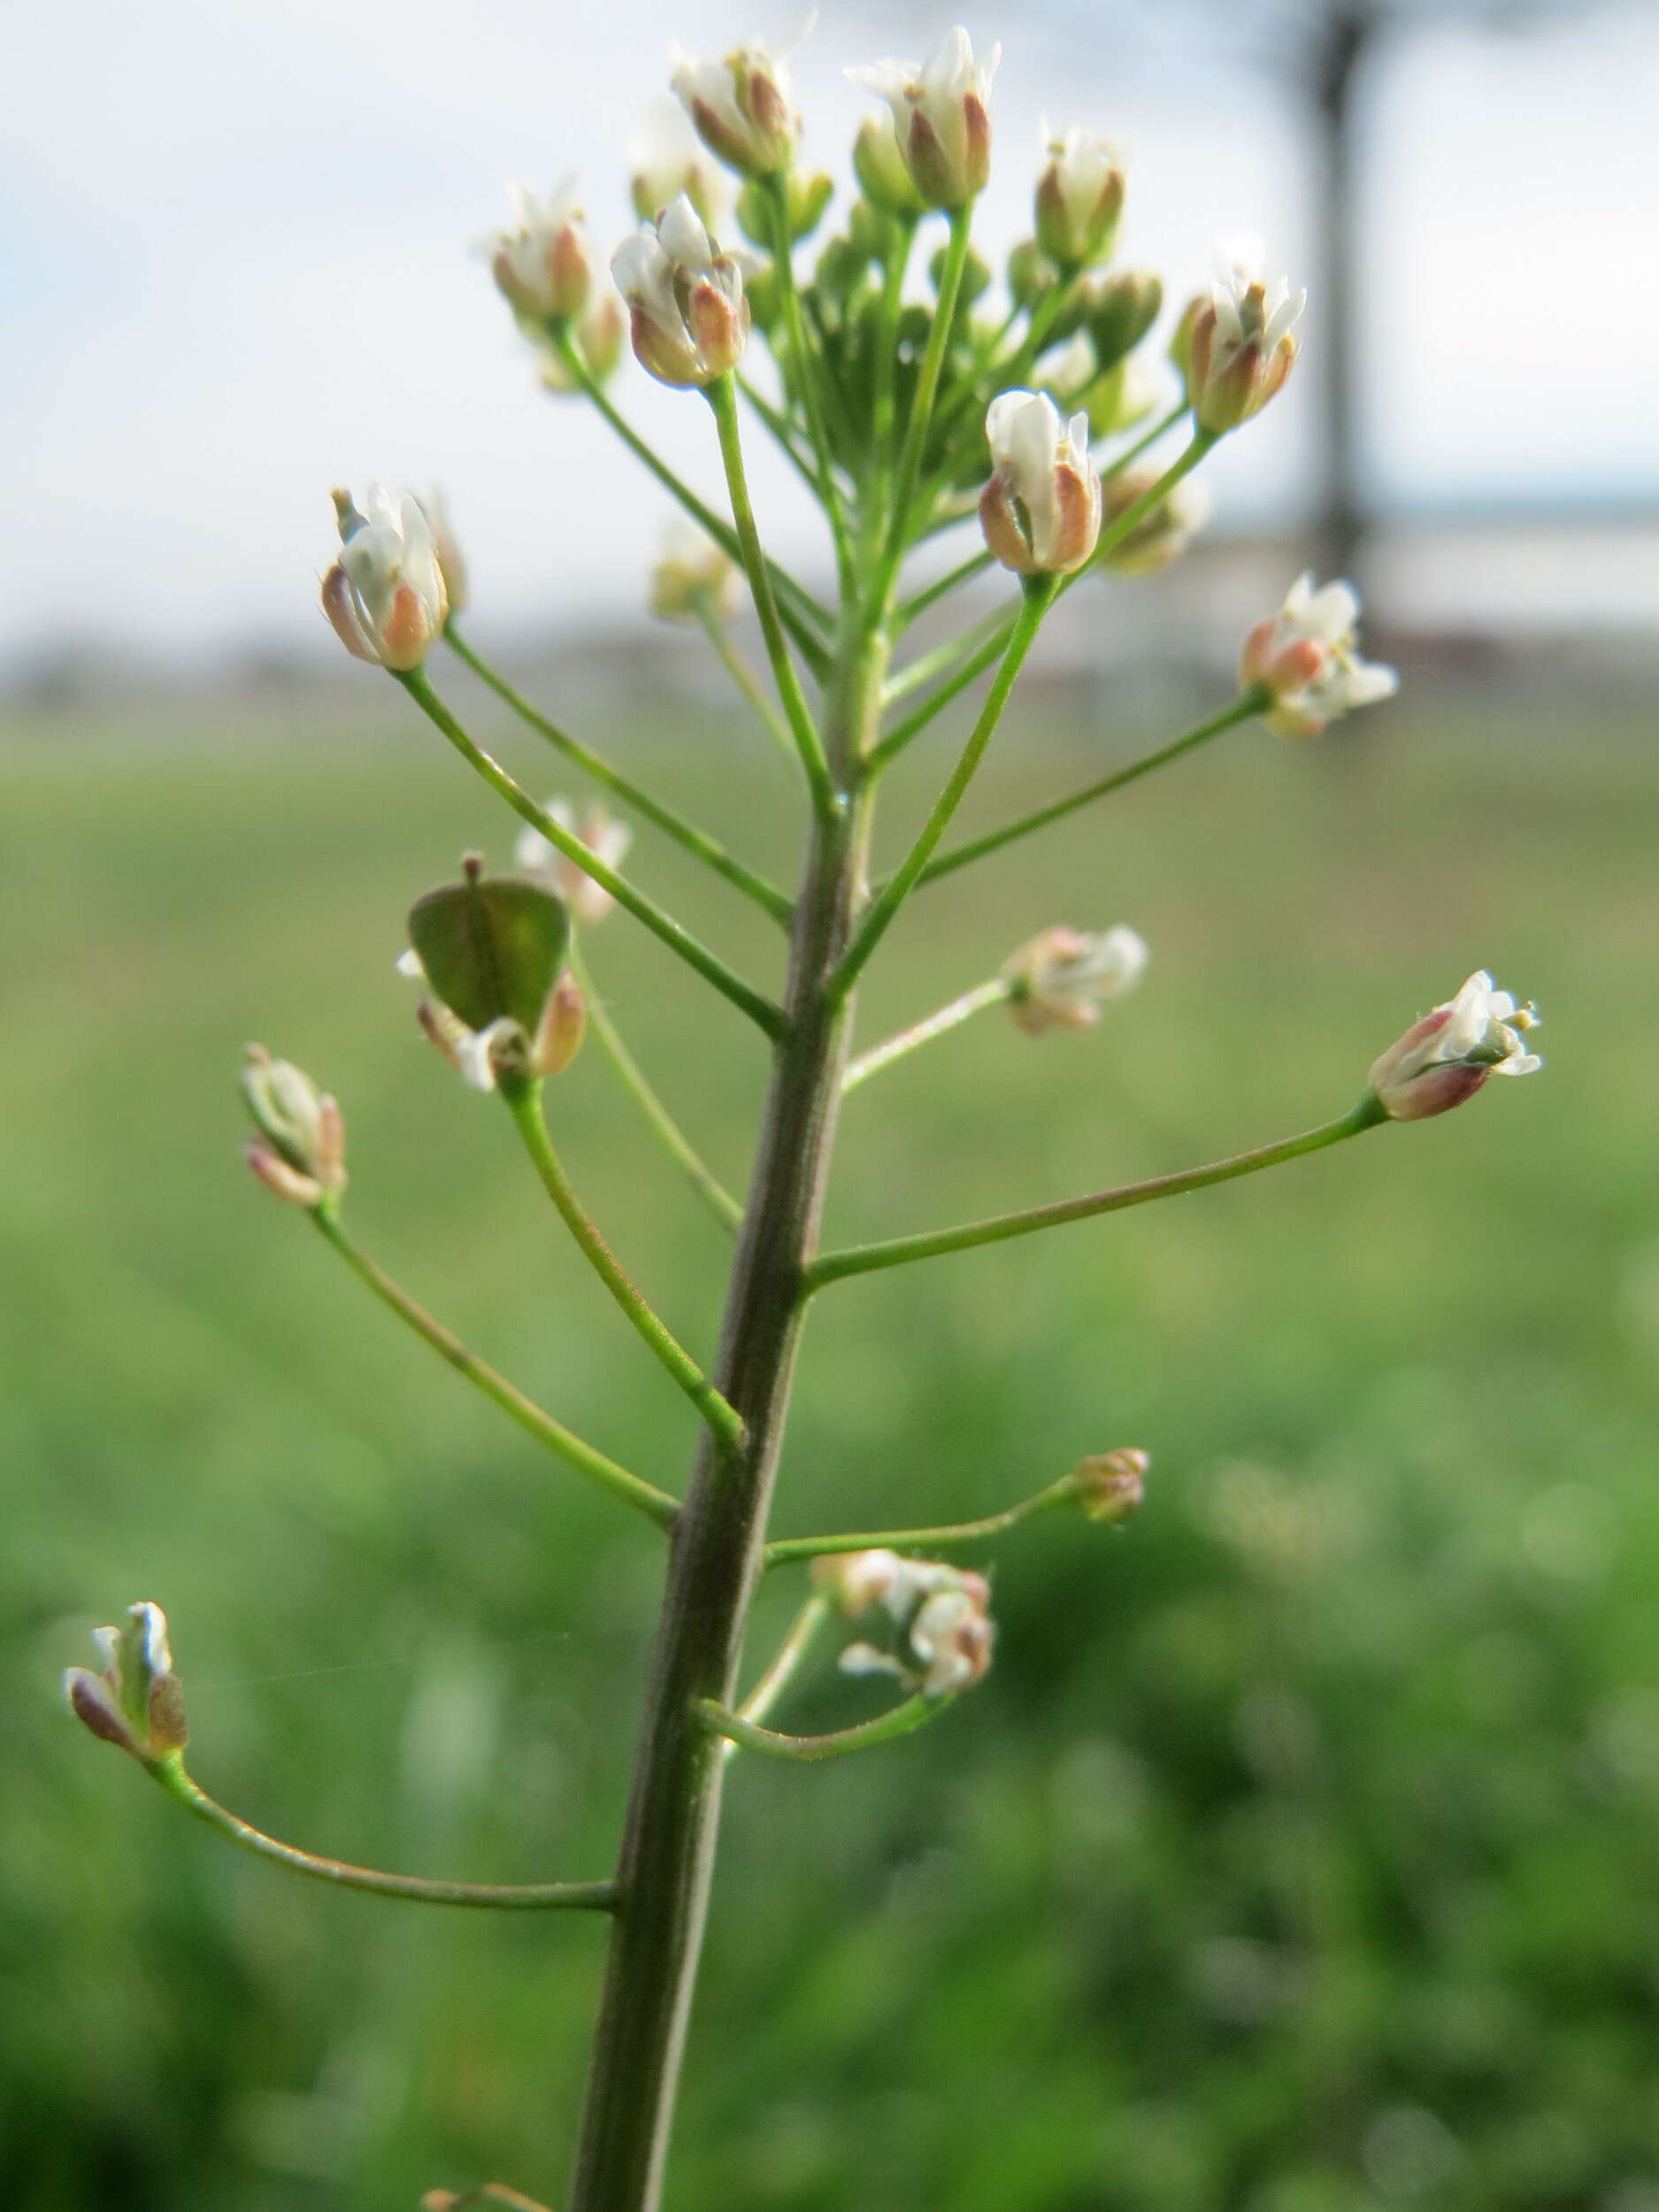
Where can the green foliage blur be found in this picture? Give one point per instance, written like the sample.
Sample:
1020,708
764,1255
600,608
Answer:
1300,1853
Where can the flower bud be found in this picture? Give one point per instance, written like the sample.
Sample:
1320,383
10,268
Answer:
952,1639
604,836
300,1153
942,1611
742,108
806,197
1118,400
1307,656
385,594
880,166
941,118
447,549
975,279
693,570
669,160
1241,348
597,337
1446,1057
1041,510
684,299
1031,275
1080,199
1118,311
135,1702
490,953
543,269
1110,1485
1060,978
1162,534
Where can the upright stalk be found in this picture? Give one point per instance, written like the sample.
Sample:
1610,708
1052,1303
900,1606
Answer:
717,1547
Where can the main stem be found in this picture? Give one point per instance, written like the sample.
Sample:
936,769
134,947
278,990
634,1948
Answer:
718,1546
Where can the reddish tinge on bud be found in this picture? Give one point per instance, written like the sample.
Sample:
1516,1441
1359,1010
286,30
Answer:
543,269
1240,349
1080,199
941,118
1110,1485
1041,511
689,317
742,108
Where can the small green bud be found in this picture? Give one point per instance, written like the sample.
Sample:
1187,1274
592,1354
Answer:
881,167
135,1700
300,1150
1032,276
976,276
1110,1485
807,197
1118,311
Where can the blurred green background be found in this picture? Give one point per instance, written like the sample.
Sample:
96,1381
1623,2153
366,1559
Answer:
1299,1853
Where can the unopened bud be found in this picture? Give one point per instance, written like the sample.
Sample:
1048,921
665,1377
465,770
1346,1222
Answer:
943,1614
686,302
806,196
1112,1485
693,573
135,1700
385,594
300,1150
1030,273
543,269
1041,510
1162,534
1118,313
1062,978
742,107
1241,348
598,337
883,176
604,836
668,159
1080,199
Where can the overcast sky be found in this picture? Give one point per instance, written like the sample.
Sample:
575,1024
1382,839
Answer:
235,269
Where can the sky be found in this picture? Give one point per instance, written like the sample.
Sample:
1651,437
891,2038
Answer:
237,266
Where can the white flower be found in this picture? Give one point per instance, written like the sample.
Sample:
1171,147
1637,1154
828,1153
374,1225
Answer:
952,1637
684,298
1041,511
135,1700
605,837
1308,657
447,549
668,160
692,566
385,594
742,107
1241,348
1080,199
1444,1057
941,115
480,1057
1063,978
942,1611
544,267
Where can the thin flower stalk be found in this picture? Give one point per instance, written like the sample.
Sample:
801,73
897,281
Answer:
743,675
785,1663
722,398
939,1023
655,1504
785,1550
865,1259
340,1874
903,1720
903,732
1038,597
805,364
1247,705
727,1210
884,400
760,1010
922,406
685,834
944,658
524,1102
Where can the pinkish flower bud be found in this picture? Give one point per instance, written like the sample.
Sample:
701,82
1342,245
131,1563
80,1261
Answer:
1162,534
1110,1485
385,595
941,118
1060,978
605,837
742,108
1307,657
300,1151
135,1700
1080,199
689,318
1241,347
1446,1057
1041,511
543,269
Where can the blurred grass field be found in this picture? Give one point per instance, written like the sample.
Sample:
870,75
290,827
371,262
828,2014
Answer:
1300,1854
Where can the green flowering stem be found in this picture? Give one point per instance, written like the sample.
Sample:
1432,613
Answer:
935,1025
789,1548
914,723
685,834
519,1897
922,406
719,1201
704,606
903,1720
1039,592
785,1662
760,1009
1248,704
883,412
803,618
722,397
783,433
523,1098
990,629
775,188
1147,439
863,1259
929,595
1153,498
655,1504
